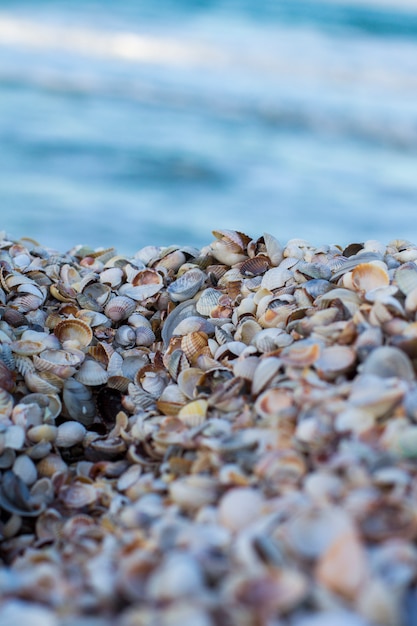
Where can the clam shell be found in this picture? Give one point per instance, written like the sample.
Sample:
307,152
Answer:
192,324
267,369
25,469
69,433
74,331
39,384
274,402
187,381
112,276
171,400
274,249
193,492
119,308
26,347
145,284
245,367
50,465
43,432
406,277
78,495
275,278
125,336
181,312
187,285
91,373
335,360
78,401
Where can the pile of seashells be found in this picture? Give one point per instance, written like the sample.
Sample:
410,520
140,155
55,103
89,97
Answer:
209,437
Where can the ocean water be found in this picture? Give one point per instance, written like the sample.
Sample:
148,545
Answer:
136,122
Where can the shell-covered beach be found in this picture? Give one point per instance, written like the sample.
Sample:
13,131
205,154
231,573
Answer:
209,437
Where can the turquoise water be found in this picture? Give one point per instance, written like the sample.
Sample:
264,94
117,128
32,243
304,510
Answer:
136,122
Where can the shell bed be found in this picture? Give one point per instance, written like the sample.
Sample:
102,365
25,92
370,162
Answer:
214,437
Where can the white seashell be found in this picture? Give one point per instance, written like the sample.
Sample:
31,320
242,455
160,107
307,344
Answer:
25,468
187,285
69,433
239,507
144,336
245,367
208,300
125,336
267,369
91,373
119,308
112,276
14,437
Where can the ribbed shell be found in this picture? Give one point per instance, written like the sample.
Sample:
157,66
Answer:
119,308
91,373
75,331
187,285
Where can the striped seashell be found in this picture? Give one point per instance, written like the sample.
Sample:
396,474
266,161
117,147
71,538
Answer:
7,377
14,318
267,369
119,382
101,352
187,285
131,364
119,308
176,363
144,336
193,344
153,381
406,277
125,336
181,312
192,324
255,266
39,384
91,373
6,404
74,332
194,413
26,302
275,278
208,300
274,249
137,320
245,367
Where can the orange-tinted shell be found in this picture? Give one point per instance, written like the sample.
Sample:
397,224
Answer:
75,331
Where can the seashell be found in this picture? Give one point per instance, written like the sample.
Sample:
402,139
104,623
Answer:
375,394
342,568
302,353
92,318
131,364
230,246
245,367
137,320
187,285
208,300
25,469
125,336
188,380
6,404
145,284
181,312
50,465
274,249
406,277
26,347
39,384
69,433
91,373
112,276
246,330
171,400
274,403
388,361
193,344
144,336
152,380
194,413
42,432
193,492
14,318
7,458
369,276
99,292
192,324
267,369
275,278
78,494
14,437
78,401
239,507
15,497
73,333
335,360
255,266
120,308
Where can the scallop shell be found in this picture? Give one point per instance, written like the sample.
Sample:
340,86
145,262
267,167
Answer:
406,277
91,373
255,266
247,329
275,278
119,308
125,336
145,284
74,332
38,383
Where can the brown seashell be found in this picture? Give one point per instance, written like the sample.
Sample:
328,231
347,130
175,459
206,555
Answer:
369,276
7,378
255,267
193,344
74,332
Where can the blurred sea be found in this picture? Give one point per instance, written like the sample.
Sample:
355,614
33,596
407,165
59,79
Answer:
137,122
